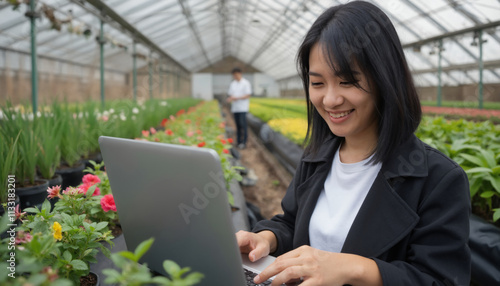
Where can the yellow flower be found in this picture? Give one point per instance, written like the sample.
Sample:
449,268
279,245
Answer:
293,128
57,230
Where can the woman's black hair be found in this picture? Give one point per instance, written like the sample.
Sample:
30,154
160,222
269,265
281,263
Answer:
359,32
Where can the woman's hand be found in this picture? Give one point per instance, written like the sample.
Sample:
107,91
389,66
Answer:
317,267
257,245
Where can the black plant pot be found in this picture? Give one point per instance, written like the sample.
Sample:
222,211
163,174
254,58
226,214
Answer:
96,157
72,175
91,279
33,196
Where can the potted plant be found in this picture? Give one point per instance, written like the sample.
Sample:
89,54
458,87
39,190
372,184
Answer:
8,157
49,155
71,168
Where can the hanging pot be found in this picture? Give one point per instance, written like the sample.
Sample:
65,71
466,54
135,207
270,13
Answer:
71,175
33,196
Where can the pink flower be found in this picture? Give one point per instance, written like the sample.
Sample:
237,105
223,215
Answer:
104,118
157,139
71,191
172,117
188,121
223,141
190,133
152,130
108,203
23,237
18,213
145,133
85,187
54,192
91,179
182,141
51,273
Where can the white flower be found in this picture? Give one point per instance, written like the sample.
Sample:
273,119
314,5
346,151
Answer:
123,117
163,103
133,117
38,114
1,114
30,116
105,113
135,110
111,110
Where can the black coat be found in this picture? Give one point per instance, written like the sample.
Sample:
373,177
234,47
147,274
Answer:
414,221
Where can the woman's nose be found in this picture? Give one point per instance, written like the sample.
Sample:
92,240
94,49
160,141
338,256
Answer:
333,97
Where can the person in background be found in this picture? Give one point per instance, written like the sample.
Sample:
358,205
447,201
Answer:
239,96
370,203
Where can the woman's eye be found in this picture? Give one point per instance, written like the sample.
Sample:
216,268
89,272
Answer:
348,83
316,83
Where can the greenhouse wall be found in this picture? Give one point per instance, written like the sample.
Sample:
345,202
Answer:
58,80
491,92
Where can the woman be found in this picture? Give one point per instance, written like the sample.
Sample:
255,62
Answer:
370,204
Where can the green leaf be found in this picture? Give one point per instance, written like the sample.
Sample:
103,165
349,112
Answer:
193,278
495,182
46,206
101,225
142,248
112,276
475,183
162,281
496,215
79,265
91,191
496,170
487,194
129,255
479,170
32,210
474,160
171,267
67,256
489,157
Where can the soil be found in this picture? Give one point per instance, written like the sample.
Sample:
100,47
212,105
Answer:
88,280
473,112
273,179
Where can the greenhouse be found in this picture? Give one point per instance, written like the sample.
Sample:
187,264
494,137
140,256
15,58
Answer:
358,141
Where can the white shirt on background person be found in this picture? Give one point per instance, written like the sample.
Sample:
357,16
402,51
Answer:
239,89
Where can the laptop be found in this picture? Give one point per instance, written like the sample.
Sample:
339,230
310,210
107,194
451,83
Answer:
177,195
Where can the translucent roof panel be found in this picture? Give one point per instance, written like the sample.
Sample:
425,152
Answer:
265,34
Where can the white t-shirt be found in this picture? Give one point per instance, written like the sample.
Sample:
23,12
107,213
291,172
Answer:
240,89
344,191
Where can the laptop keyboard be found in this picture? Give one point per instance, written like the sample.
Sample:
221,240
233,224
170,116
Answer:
249,275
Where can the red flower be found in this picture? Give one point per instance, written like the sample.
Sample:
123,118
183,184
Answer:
201,144
230,140
169,132
225,151
54,192
108,203
223,141
164,122
188,121
91,179
145,133
222,125
152,130
182,111
199,131
157,139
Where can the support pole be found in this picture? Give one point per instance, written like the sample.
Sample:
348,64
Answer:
101,44
32,14
160,79
481,67
439,91
150,73
134,72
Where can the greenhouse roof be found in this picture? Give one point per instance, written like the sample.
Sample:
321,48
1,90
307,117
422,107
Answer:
262,33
